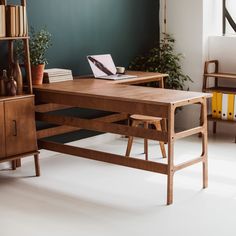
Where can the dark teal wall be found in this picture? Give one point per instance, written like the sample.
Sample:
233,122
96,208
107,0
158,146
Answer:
123,28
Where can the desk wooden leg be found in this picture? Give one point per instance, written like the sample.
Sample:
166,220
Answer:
170,174
36,163
170,180
204,144
146,142
161,83
205,165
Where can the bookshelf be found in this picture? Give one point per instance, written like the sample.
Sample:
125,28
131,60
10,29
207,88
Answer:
10,42
217,77
17,122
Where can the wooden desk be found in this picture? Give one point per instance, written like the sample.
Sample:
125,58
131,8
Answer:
123,100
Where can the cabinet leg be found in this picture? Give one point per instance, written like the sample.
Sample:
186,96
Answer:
13,165
18,163
37,166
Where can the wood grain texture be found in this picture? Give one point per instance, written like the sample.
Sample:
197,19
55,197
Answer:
142,77
20,126
145,121
128,99
105,157
101,126
63,129
2,132
100,89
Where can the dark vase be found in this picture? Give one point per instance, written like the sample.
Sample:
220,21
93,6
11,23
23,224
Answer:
3,80
11,87
17,74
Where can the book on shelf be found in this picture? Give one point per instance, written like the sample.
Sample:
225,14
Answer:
21,21
11,20
16,21
57,75
2,21
25,22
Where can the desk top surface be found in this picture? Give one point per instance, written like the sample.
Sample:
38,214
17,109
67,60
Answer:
85,86
142,77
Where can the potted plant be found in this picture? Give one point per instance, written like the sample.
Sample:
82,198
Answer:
163,59
39,43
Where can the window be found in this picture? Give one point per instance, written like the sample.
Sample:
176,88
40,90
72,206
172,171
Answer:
229,17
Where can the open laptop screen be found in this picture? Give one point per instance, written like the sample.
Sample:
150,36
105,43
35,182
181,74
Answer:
102,65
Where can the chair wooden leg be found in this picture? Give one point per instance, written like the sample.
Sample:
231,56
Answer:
146,142
162,144
130,140
37,166
129,146
164,126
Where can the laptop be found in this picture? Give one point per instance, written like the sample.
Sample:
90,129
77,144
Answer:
103,67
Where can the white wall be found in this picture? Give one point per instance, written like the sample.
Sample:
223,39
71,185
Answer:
223,49
184,22
192,22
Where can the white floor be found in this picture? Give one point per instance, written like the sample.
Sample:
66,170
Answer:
75,196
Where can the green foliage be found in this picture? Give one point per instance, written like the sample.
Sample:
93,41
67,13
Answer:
39,43
163,59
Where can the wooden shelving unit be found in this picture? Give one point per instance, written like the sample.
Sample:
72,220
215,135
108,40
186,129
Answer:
17,120
13,38
25,39
217,76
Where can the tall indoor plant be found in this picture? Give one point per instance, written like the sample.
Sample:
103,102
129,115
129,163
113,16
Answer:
40,42
162,58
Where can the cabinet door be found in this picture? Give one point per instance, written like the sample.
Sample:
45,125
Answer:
2,132
20,126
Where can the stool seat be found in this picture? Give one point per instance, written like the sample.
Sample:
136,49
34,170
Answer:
145,121
143,118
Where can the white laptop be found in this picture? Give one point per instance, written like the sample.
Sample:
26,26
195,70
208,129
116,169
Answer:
103,67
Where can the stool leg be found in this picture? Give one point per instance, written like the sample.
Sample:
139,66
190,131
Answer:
129,146
162,145
164,126
146,142
36,164
130,140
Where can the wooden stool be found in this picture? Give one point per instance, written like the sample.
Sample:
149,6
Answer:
145,120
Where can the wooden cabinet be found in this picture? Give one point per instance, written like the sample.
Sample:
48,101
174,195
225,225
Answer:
2,132
17,129
17,121
20,126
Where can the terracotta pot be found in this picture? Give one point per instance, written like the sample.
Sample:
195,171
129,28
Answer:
37,74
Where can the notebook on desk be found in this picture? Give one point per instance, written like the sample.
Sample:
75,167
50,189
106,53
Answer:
103,67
